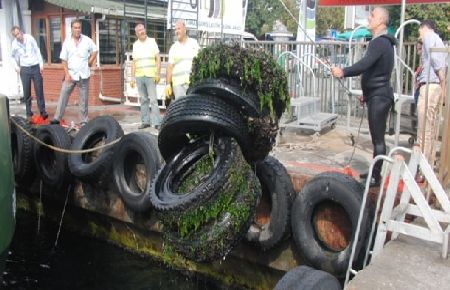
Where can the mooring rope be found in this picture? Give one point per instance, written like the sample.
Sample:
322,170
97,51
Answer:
62,150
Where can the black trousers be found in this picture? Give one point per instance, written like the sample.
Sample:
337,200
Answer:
378,108
28,73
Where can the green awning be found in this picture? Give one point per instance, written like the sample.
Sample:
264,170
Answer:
112,7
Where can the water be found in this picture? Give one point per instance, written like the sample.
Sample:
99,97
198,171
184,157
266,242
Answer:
83,263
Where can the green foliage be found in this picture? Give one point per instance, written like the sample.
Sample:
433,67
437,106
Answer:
202,168
329,17
440,13
255,70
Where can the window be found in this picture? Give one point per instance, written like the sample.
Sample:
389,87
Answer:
41,38
109,37
55,39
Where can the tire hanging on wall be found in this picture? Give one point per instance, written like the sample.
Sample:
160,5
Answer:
96,165
22,151
165,195
335,191
136,162
307,278
52,165
277,195
198,115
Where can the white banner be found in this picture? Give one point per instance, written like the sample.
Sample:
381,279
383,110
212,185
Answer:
206,15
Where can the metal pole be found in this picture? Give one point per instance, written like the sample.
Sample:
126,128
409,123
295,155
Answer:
222,4
400,44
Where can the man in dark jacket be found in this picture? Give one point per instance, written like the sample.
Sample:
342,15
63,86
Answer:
376,68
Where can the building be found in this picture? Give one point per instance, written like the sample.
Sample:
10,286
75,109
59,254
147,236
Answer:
110,23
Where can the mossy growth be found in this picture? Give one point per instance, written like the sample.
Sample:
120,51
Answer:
201,170
256,71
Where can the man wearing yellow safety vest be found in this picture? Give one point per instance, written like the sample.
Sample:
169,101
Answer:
146,74
181,54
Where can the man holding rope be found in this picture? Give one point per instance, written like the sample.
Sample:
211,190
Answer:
376,68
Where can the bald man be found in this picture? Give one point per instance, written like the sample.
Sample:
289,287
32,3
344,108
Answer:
181,54
376,68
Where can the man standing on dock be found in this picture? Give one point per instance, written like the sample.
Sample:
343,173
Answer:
78,53
29,64
376,68
181,54
145,71
432,83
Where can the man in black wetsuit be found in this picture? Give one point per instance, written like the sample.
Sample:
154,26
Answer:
376,68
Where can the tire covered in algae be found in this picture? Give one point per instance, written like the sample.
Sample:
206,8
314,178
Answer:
210,231
192,176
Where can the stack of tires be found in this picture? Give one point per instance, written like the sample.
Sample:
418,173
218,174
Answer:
215,143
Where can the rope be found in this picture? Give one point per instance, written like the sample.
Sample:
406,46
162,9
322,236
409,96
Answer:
62,150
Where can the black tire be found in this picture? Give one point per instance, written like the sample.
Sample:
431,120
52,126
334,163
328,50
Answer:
52,165
22,151
164,194
199,115
338,189
277,194
136,158
307,278
95,165
215,236
230,92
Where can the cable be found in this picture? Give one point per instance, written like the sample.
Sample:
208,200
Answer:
295,20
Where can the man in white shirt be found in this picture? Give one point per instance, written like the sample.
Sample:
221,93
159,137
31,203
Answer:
146,74
181,54
78,53
28,62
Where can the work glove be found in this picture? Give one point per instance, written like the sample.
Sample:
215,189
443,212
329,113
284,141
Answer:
157,79
132,84
168,92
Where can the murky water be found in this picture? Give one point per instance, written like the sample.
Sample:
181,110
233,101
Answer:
83,263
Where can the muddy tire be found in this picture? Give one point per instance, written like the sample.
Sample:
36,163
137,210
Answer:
328,200
199,116
136,162
95,165
22,151
273,212
307,278
230,92
52,165
220,223
165,195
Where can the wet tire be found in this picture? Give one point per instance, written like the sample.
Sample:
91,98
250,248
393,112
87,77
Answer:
164,194
334,191
211,230
95,165
22,151
244,102
273,213
136,162
199,116
52,165
307,278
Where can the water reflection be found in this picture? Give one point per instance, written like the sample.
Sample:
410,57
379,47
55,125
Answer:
82,263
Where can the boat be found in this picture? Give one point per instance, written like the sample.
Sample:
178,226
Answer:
7,188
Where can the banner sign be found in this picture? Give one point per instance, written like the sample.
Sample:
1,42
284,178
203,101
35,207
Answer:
209,15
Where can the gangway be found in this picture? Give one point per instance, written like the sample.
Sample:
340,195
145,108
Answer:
306,108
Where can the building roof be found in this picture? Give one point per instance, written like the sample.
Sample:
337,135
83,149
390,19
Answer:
115,7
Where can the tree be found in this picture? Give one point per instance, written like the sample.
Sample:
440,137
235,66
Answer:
440,13
329,17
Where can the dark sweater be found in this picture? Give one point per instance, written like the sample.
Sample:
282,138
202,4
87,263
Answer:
376,67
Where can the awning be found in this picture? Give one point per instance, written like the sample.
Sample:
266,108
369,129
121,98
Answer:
112,7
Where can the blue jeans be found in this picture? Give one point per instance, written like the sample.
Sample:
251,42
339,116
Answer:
28,73
149,103
66,91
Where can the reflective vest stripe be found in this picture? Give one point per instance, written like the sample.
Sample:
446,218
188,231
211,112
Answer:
181,71
145,67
